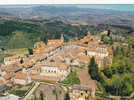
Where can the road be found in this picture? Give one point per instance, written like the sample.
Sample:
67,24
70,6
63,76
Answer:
31,91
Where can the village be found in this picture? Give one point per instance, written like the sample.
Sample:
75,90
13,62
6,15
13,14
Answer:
54,61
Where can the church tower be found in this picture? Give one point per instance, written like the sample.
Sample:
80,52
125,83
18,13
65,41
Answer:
88,33
62,38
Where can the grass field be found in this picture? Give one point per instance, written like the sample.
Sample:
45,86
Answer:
17,51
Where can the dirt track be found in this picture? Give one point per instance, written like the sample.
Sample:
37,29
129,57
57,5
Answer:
84,77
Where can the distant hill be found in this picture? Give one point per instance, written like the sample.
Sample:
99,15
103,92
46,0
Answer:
71,14
23,33
40,23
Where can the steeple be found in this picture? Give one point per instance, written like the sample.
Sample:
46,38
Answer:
88,33
62,38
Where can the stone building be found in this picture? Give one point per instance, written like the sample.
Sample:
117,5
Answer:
81,92
13,59
55,69
101,51
22,78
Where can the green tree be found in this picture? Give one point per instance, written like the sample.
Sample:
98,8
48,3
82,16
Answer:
67,97
93,69
19,39
30,50
41,96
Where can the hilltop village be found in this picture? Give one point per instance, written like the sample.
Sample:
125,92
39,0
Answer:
52,62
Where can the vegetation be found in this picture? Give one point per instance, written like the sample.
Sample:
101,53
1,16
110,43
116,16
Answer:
27,32
117,79
17,51
30,50
67,97
71,79
19,92
2,56
19,39
19,86
41,97
93,69
30,84
106,39
23,34
54,91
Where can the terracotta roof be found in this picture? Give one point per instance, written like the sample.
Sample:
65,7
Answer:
54,40
48,48
14,57
66,55
59,65
72,43
2,82
20,75
12,68
79,50
8,75
100,48
36,68
84,57
39,44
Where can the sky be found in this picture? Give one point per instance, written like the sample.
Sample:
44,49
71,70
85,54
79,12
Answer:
123,7
66,1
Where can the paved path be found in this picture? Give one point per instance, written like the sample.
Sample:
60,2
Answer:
31,91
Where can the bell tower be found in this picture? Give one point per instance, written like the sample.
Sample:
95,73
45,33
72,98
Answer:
62,38
88,33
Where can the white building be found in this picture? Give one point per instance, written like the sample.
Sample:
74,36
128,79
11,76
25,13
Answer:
10,97
98,51
55,69
13,59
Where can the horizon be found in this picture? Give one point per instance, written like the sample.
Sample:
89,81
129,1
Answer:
117,7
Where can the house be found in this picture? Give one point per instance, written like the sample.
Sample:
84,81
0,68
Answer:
13,59
55,69
40,44
7,77
22,78
11,68
95,50
2,82
54,41
82,60
51,48
100,61
81,92
35,70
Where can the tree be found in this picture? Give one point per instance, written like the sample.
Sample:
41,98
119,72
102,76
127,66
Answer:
67,97
93,69
30,51
41,96
19,39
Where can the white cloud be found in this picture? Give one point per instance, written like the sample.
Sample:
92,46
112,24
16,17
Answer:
66,1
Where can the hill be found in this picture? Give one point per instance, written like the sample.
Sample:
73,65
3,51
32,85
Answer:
27,32
71,14
37,23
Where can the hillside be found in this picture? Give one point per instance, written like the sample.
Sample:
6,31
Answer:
37,23
27,32
71,14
